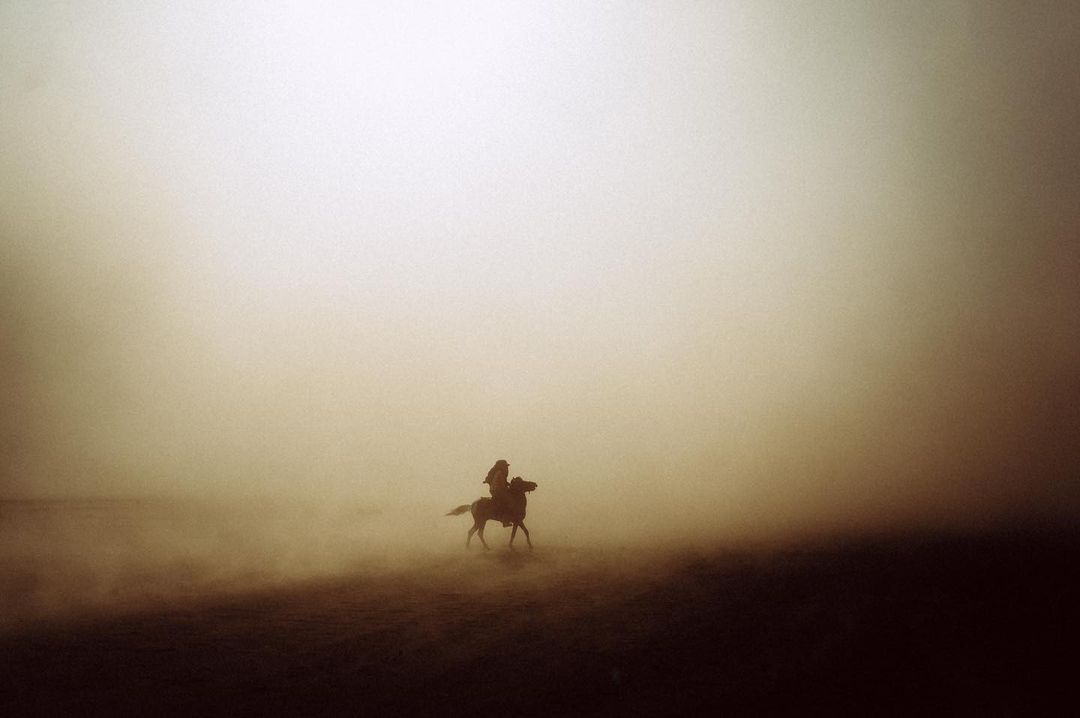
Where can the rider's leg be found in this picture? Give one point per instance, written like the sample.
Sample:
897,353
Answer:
502,501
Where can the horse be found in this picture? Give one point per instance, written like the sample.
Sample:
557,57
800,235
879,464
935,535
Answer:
486,509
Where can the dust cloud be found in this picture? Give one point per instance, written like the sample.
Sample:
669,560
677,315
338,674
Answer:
702,272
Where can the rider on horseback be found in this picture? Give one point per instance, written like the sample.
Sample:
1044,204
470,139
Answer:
507,505
497,484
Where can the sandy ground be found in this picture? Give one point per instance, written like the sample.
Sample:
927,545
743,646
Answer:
973,624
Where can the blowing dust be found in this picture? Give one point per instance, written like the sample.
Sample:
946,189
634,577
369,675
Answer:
161,555
277,286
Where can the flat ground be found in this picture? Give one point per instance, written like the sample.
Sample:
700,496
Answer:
973,624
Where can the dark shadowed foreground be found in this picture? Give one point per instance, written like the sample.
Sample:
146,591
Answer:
971,624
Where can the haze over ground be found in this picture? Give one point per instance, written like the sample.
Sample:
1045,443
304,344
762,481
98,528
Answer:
714,266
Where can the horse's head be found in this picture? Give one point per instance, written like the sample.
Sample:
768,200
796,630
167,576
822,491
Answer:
521,485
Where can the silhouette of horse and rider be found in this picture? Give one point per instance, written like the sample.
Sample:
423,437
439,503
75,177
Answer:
507,504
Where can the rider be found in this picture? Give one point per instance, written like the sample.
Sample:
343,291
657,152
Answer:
497,484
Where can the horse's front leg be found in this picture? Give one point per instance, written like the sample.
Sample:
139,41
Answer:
526,532
513,533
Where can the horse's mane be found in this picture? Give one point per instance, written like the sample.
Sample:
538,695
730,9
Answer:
521,486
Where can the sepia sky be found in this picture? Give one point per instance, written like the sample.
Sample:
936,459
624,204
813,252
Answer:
713,263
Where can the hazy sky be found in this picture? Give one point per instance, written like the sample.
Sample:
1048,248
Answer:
714,261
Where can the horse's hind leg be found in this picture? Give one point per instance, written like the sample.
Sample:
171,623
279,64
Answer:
471,532
481,535
526,531
513,533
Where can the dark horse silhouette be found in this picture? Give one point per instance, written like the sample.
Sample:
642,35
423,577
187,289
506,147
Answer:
487,509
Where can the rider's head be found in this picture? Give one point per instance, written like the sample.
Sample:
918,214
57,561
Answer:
499,470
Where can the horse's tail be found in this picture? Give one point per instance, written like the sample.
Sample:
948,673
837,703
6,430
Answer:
459,510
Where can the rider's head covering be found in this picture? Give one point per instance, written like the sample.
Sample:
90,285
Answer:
501,468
